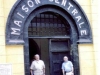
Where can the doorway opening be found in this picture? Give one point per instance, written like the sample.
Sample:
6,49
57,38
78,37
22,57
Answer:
43,51
51,51
49,36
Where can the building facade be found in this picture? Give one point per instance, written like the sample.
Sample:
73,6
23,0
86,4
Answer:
52,29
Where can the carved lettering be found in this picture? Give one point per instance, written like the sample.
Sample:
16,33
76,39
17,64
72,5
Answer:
20,15
51,0
64,2
30,3
18,23
15,31
70,6
37,1
78,18
74,12
80,25
26,9
83,32
56,1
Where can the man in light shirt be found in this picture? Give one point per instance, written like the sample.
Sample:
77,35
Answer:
67,67
37,66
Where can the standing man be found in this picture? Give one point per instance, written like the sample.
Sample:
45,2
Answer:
67,67
37,66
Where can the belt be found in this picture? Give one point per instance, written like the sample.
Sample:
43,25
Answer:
68,71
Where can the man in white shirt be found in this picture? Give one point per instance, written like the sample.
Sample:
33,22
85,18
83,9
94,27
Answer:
67,67
37,66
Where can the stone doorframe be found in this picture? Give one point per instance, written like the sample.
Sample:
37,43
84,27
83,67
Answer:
73,37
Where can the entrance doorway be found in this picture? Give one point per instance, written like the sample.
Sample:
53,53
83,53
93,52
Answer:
41,47
49,36
51,51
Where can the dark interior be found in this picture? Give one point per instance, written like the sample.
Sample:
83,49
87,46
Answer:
33,49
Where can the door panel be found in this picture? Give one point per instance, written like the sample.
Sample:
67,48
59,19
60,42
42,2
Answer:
59,46
58,49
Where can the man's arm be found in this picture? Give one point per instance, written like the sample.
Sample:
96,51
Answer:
31,71
72,69
63,72
32,68
43,70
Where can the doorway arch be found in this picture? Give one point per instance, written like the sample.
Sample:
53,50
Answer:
23,9
73,36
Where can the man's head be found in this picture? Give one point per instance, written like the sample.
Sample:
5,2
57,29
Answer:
37,57
65,58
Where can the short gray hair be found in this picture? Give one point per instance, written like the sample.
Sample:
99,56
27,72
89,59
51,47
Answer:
65,57
36,55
